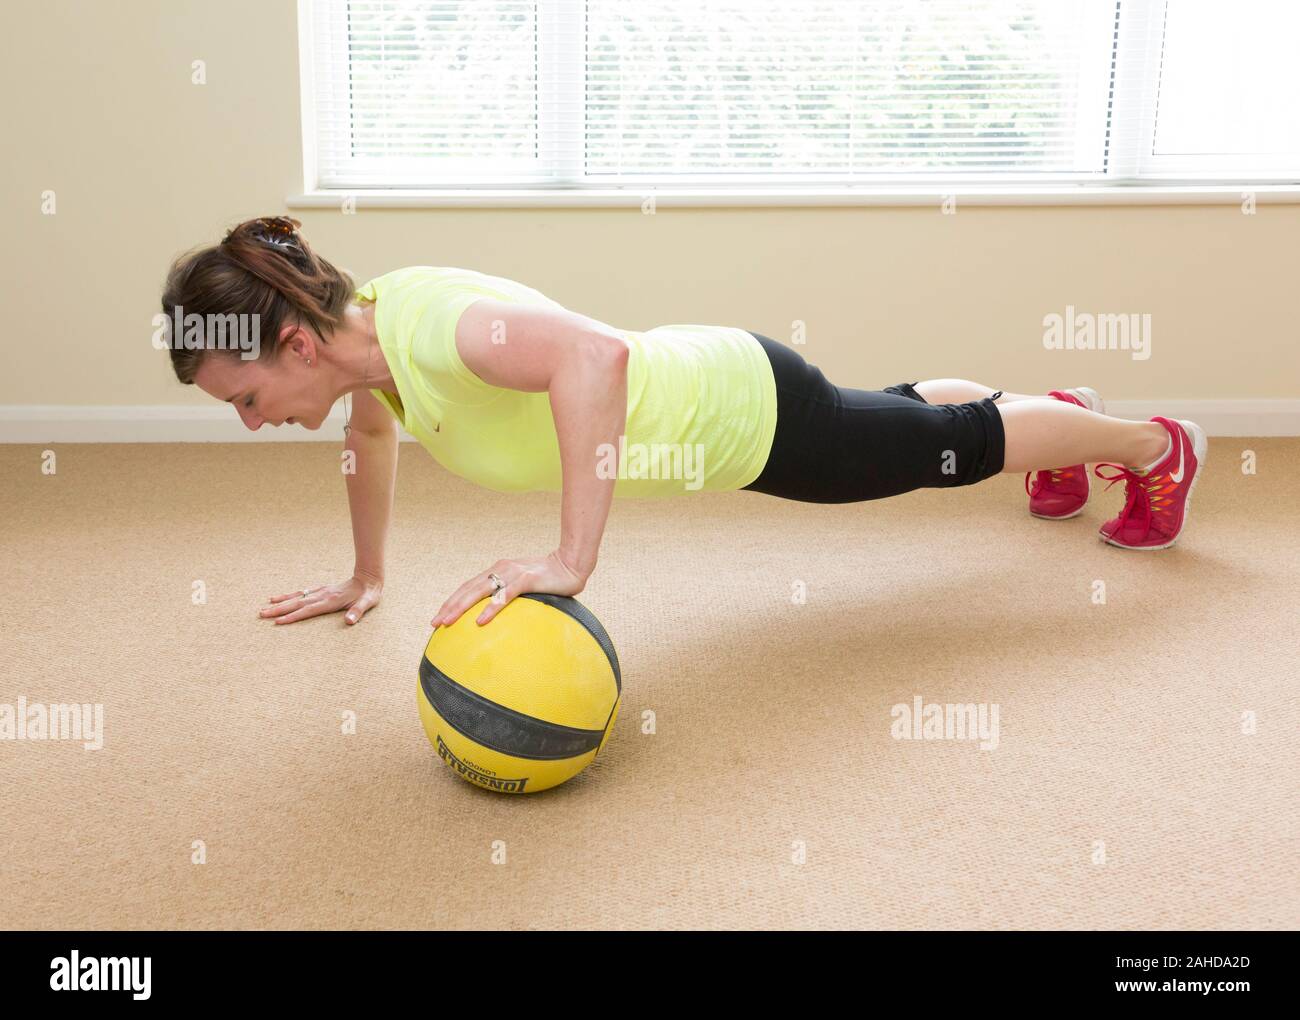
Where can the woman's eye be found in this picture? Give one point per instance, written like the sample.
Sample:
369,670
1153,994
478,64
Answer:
248,402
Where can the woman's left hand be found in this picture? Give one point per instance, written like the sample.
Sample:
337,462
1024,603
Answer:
549,574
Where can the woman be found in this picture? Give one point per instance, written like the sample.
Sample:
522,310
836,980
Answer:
507,388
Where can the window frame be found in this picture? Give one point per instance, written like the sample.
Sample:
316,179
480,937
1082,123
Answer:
1131,176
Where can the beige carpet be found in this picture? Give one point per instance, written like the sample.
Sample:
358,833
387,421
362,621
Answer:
1123,792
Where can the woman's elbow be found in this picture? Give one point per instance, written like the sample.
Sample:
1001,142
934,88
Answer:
597,362
614,353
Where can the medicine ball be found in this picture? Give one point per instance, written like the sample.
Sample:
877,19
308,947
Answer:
525,701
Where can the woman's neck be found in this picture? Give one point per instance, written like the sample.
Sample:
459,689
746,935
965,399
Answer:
361,357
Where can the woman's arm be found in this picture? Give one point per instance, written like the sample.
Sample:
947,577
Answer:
373,445
373,441
589,404
582,365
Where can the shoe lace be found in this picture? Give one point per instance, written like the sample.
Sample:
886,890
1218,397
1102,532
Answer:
1139,491
1045,478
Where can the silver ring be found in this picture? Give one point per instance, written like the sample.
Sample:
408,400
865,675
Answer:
497,583
305,592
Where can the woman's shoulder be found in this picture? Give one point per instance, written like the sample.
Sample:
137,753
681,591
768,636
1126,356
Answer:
437,285
405,277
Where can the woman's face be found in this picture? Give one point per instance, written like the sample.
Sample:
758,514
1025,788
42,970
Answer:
279,390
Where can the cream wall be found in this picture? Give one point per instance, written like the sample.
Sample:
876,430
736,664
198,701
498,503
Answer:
144,164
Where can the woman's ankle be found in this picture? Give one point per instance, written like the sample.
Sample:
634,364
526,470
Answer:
1150,446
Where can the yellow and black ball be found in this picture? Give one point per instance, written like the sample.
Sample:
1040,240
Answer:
525,701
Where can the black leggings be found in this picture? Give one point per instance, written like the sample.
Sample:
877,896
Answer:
839,445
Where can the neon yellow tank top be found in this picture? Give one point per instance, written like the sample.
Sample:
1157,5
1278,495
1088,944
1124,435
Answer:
701,400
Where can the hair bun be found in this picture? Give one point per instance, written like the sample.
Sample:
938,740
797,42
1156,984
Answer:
281,231
279,225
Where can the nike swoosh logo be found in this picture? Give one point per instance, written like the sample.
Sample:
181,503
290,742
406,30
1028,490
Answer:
438,427
1177,476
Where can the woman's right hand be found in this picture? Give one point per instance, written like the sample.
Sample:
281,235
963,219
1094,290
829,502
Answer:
357,594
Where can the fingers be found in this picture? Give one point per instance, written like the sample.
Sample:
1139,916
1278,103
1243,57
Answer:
359,608
308,610
455,606
461,599
299,607
290,604
472,592
502,598
300,593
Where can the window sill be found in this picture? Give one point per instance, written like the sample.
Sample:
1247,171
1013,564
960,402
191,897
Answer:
632,197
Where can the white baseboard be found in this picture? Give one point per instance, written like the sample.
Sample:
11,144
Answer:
163,423
1263,417
52,423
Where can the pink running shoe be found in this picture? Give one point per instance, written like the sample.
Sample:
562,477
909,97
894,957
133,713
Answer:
1060,493
1157,499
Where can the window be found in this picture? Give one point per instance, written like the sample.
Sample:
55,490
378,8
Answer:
597,95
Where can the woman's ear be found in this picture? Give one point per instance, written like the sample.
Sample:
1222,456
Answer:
299,343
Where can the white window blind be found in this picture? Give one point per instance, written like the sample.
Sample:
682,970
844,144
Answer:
598,94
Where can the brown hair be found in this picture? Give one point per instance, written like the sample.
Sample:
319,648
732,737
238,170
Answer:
263,267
